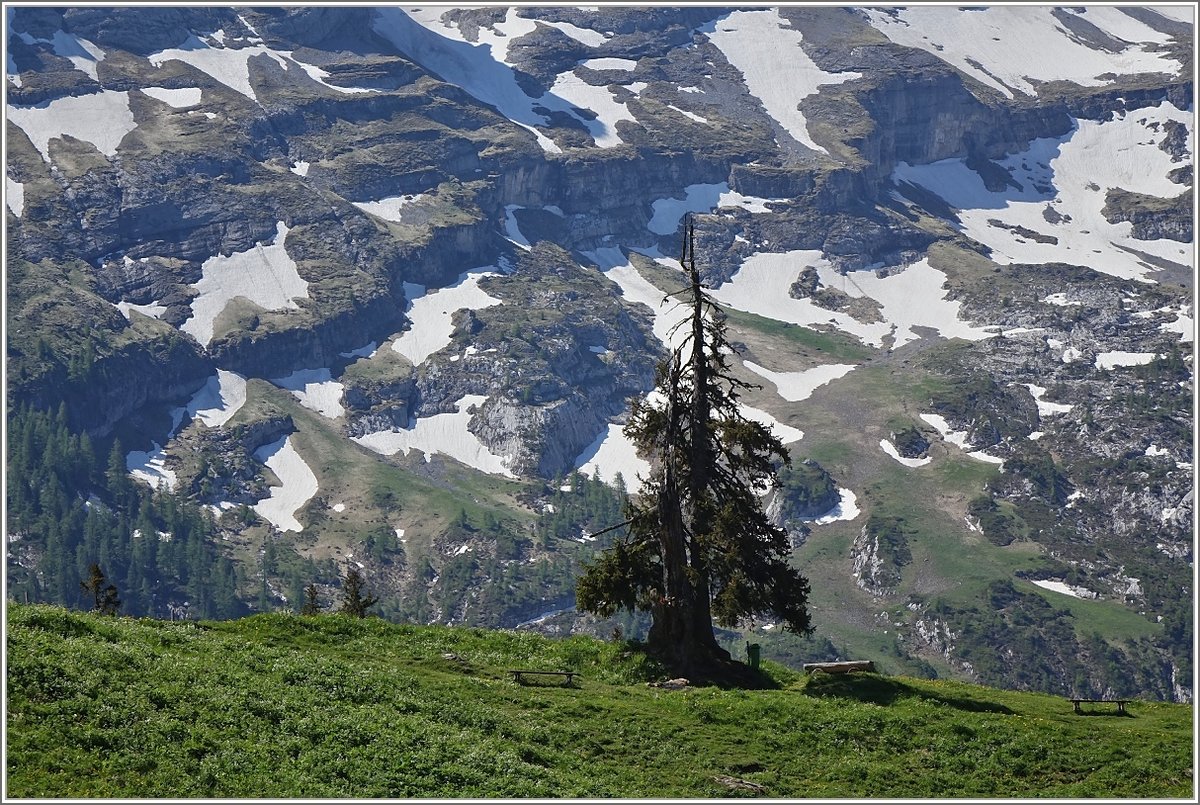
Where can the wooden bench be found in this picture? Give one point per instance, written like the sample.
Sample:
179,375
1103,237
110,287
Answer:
570,675
1120,703
840,667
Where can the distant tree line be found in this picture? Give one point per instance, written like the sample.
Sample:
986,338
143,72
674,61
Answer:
68,510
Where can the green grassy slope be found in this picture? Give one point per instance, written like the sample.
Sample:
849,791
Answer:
278,706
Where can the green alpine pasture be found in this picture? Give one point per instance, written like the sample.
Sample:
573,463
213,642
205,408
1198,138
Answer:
332,706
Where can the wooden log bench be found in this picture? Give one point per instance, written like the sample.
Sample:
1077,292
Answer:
518,673
1120,703
840,667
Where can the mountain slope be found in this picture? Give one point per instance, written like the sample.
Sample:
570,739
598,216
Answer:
375,286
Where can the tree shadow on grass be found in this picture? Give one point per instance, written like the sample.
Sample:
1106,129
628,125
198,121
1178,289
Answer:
876,689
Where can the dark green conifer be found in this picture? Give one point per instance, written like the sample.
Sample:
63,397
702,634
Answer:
700,546
355,601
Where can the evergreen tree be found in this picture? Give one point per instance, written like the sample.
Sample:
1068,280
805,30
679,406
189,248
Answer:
103,595
700,545
355,601
312,604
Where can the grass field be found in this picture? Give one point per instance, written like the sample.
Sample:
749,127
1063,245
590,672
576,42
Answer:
329,706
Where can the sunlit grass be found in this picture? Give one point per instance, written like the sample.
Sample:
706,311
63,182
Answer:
285,706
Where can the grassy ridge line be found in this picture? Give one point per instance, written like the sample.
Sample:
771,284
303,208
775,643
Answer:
284,706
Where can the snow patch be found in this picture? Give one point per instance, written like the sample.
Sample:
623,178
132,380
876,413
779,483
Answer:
362,352
767,51
846,509
316,390
1065,589
914,297
298,484
797,386
265,275
689,115
153,310
389,209
785,433
636,288
1182,324
102,119
668,212
512,229
14,195
609,64
175,98
891,450
598,99
218,399
1111,360
432,312
1069,177
447,434
1046,408
610,453
338,507
150,467
300,167
1014,48
480,69
1059,299
959,438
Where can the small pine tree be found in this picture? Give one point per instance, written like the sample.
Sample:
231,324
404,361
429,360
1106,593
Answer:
103,595
312,605
355,601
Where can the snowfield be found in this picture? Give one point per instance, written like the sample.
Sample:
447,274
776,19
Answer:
14,196
886,446
1011,47
298,484
913,297
432,313
102,119
599,99
846,509
150,467
265,275
1067,179
767,51
667,312
1112,360
1064,588
231,66
389,209
958,438
611,453
668,212
797,386
480,69
441,433
316,390
175,98
1046,408
218,399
